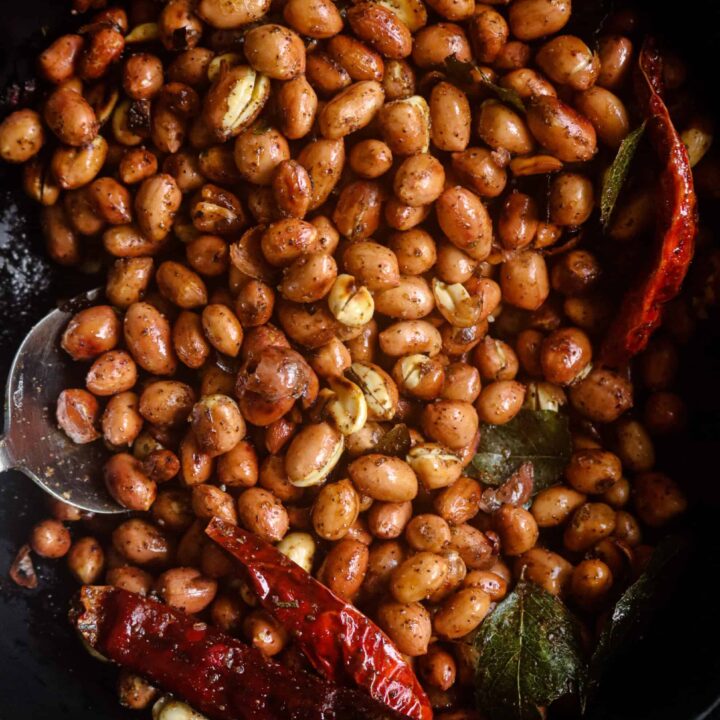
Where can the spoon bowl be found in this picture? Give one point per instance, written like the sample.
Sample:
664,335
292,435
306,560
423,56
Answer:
33,443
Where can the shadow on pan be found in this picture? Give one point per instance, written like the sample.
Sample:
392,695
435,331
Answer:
674,674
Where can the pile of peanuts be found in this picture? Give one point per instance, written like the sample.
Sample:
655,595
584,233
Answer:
313,233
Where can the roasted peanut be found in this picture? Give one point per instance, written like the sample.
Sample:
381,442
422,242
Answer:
263,514
127,483
480,171
567,60
275,51
488,33
234,100
91,332
258,152
502,128
222,329
607,114
434,465
437,668
147,335
351,109
186,589
532,19
459,502
405,125
104,46
136,165
434,43
86,560
524,280
465,221
387,521
384,478
313,453
156,203
407,624
22,136
358,210
50,539
113,372
589,524
336,508
450,422
429,533
74,167
554,505
615,53
381,28
317,19
57,63
121,420
410,336
548,569
298,103
418,577
565,133
345,567
217,424
602,395
67,114
300,548
419,180
141,543
495,359
461,613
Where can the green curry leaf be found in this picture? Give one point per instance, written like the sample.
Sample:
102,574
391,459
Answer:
635,606
467,73
394,442
617,173
541,437
528,655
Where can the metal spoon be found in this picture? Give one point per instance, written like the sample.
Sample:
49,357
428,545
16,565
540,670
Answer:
33,443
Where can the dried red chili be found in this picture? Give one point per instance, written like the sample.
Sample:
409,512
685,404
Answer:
641,309
340,642
217,674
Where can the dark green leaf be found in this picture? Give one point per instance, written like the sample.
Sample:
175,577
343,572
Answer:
541,437
394,442
635,606
467,73
459,70
617,173
529,655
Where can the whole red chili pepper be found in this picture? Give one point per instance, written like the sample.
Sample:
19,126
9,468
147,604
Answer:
641,309
339,641
217,674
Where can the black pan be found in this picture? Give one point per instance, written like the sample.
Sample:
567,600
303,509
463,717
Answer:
673,674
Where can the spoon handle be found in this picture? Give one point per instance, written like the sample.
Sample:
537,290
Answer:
6,460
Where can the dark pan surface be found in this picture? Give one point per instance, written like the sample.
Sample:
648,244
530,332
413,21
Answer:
674,674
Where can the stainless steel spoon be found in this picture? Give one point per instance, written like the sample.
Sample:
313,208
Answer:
33,443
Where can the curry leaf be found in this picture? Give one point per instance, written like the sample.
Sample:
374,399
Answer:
635,606
394,442
617,173
528,655
540,437
467,73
